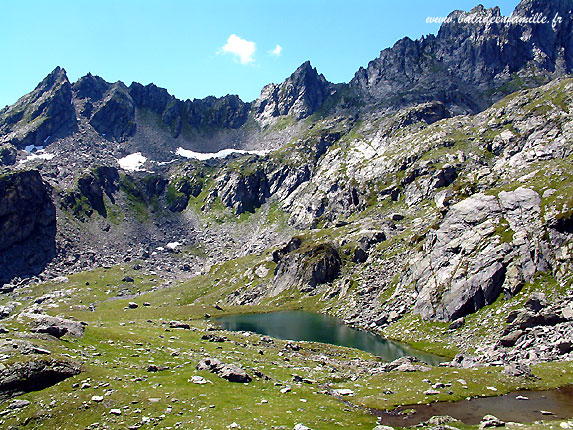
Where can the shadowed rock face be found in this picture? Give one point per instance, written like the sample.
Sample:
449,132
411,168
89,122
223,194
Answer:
46,112
34,375
27,220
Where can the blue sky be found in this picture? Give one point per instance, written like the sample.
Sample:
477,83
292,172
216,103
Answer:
201,48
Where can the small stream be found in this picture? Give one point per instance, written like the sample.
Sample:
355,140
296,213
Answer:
555,404
308,326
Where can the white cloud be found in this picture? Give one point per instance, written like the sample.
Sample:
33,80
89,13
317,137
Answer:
277,51
243,50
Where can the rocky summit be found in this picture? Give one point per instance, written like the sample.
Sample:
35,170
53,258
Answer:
429,200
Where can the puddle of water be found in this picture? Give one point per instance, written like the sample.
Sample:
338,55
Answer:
507,408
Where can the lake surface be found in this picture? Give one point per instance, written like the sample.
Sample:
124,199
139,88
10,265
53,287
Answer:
308,326
556,404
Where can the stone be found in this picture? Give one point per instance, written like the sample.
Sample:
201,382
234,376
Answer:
517,369
35,374
18,404
196,379
510,339
132,305
233,373
457,323
52,330
97,399
490,421
343,392
56,326
565,346
128,279
301,427
536,301
179,324
115,411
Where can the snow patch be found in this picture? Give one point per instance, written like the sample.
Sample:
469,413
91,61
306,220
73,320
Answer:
132,162
173,245
210,155
40,155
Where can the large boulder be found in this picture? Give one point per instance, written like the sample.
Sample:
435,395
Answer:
56,326
230,372
32,375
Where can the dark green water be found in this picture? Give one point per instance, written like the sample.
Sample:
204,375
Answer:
308,326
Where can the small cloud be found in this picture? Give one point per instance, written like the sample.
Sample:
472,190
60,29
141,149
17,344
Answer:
242,49
277,51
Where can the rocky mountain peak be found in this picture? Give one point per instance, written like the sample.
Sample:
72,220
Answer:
56,77
45,112
299,96
475,59
90,86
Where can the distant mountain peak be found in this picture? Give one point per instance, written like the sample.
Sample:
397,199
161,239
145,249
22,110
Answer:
299,96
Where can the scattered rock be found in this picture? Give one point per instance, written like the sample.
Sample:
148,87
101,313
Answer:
179,324
343,392
536,302
490,421
230,372
510,339
132,305
518,369
18,404
196,379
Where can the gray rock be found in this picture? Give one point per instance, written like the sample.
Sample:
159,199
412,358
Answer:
18,404
510,339
536,301
56,326
490,421
457,323
32,375
517,369
230,372
179,324
233,373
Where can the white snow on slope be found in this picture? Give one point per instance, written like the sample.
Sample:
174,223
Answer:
38,156
132,162
210,155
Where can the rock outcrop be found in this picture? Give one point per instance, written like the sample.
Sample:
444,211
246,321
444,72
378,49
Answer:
304,265
299,96
473,60
45,113
33,375
463,265
26,207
